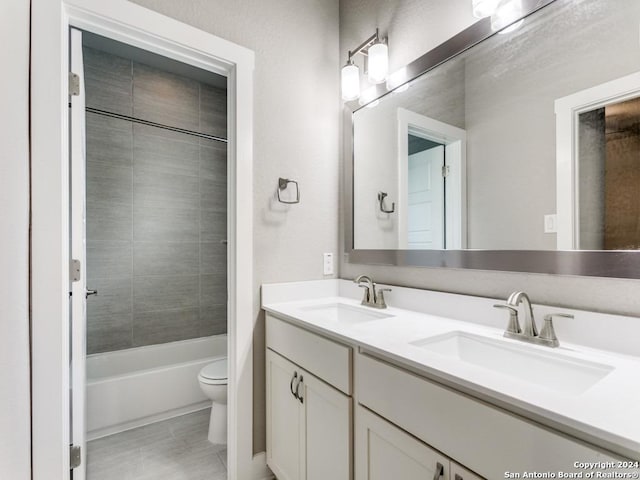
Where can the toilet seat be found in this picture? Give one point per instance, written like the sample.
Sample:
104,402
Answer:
214,373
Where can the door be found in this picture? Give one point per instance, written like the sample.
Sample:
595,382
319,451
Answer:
78,288
327,431
384,451
284,419
425,202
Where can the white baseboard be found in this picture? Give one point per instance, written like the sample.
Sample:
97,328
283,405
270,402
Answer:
259,469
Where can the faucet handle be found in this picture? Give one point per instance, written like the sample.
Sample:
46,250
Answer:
380,303
514,325
548,334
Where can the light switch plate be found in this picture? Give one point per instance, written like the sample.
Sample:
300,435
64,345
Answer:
551,223
327,263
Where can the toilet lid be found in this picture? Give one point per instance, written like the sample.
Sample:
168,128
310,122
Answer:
215,370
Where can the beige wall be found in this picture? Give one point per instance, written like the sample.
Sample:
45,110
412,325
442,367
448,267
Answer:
414,27
14,240
296,116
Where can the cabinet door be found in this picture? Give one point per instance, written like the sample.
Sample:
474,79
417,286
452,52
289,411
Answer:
284,419
458,472
384,451
327,430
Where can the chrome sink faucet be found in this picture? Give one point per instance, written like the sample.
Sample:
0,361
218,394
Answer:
373,296
547,335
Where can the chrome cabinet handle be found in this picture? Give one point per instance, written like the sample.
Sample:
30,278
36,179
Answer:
294,392
90,292
298,395
439,471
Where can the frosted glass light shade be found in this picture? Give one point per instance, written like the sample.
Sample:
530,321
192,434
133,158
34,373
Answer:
508,11
350,76
484,8
378,63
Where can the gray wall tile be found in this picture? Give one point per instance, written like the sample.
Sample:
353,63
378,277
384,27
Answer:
213,320
213,226
109,140
150,328
162,190
108,82
165,98
156,208
213,195
115,296
164,292
109,259
213,289
156,151
213,257
213,111
108,221
169,224
166,258
213,160
106,333
109,183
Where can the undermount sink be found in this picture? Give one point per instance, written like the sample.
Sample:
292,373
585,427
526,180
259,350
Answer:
549,369
342,313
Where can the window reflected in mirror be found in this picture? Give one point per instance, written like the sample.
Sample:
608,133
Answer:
609,177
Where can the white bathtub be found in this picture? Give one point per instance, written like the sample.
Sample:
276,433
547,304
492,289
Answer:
137,386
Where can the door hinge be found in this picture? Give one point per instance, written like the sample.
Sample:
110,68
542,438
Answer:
74,270
75,456
74,84
445,171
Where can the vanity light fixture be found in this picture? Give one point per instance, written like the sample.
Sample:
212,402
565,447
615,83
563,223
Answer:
503,13
398,81
507,12
376,51
484,8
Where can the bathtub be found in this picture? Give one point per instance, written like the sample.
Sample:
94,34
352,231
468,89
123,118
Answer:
134,387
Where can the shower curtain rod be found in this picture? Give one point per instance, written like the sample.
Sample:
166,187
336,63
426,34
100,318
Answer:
154,124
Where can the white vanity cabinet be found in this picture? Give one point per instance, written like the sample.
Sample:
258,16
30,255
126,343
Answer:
309,407
383,451
482,437
458,472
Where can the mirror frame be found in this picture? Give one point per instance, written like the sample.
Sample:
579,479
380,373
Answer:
614,264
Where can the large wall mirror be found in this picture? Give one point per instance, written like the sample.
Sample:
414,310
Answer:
515,150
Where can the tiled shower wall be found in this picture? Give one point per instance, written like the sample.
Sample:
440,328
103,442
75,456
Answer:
156,207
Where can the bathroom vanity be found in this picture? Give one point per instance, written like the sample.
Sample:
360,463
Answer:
364,393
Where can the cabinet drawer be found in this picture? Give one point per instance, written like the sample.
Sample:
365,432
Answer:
484,438
326,359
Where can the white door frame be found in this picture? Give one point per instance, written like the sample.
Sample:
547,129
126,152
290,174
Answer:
568,110
137,26
455,141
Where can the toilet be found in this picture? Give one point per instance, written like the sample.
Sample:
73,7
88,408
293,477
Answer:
213,382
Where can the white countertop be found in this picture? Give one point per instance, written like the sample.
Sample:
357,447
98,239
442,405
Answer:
607,414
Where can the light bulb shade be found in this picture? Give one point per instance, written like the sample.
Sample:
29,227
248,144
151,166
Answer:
508,12
378,63
484,8
350,82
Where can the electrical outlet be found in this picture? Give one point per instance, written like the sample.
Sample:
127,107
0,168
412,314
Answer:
327,263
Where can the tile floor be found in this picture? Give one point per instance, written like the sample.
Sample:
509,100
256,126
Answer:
175,449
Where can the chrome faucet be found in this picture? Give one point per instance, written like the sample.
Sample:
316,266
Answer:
514,300
373,296
530,333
